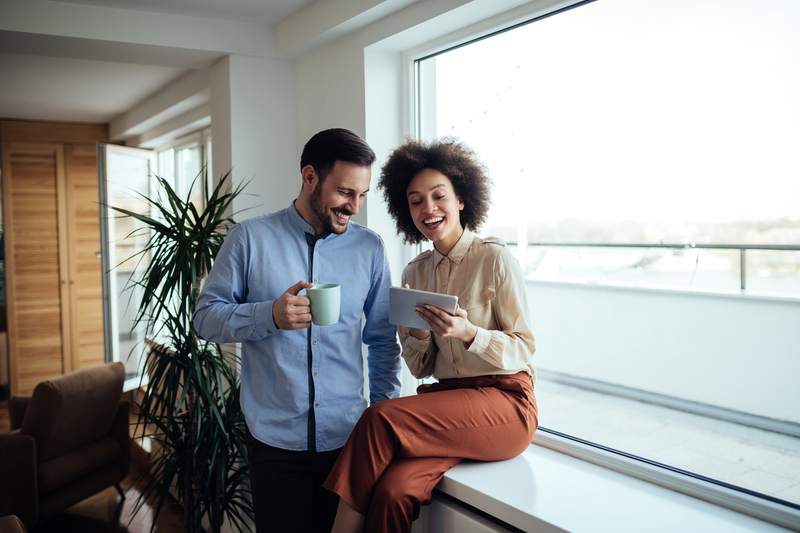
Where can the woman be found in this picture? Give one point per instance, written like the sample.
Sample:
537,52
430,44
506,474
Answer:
483,407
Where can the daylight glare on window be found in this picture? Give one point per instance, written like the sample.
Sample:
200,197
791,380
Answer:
624,121
645,169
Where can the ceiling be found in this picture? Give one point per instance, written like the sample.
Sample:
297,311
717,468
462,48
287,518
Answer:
268,12
67,89
68,78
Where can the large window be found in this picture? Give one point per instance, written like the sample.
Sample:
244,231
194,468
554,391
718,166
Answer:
628,122
644,159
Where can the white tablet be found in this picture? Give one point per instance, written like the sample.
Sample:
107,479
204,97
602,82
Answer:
403,304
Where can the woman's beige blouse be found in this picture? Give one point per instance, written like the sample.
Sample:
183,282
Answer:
488,282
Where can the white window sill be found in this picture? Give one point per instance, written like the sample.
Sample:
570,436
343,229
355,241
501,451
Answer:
543,489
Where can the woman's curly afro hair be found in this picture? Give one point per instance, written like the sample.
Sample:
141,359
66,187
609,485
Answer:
451,158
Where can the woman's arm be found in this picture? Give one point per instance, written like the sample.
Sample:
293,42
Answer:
419,354
511,345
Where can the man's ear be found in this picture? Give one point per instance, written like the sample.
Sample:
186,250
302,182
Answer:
309,177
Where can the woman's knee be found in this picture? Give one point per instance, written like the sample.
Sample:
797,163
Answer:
392,492
517,442
393,508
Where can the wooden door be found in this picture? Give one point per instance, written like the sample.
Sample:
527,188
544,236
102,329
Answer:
85,281
37,291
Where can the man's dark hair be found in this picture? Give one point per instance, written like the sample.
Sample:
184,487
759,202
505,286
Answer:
336,144
451,158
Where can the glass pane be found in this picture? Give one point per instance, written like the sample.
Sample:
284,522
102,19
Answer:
166,165
209,166
615,132
637,267
189,173
775,272
128,175
607,125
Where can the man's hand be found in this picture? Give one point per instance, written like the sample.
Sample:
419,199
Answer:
291,311
447,325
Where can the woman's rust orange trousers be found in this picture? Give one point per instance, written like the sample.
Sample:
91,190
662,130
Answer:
401,448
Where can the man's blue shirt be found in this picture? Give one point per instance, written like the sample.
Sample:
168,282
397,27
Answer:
259,260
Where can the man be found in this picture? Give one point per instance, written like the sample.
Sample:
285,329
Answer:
301,383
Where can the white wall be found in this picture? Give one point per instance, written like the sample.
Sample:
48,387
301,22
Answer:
735,352
254,123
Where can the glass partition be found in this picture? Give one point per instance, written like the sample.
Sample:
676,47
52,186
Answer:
646,177
125,175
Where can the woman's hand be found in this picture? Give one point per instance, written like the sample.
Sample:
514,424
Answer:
421,334
446,325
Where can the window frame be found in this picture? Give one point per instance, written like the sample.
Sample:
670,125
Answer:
202,139
509,21
741,499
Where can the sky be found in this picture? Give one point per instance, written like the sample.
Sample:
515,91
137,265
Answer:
643,110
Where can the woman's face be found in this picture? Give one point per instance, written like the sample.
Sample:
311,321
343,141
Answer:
435,208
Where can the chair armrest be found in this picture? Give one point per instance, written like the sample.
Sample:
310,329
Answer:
19,492
17,406
11,524
120,433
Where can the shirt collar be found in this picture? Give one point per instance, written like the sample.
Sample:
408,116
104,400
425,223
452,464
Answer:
301,224
459,250
298,221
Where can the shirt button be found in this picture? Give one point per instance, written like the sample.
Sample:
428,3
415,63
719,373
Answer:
316,404
315,373
314,342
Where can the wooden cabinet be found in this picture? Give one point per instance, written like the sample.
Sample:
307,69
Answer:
83,231
52,240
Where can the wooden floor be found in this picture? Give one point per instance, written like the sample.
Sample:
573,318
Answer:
104,512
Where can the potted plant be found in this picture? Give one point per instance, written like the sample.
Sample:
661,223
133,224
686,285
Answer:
190,407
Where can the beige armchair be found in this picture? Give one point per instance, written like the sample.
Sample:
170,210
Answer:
68,441
11,524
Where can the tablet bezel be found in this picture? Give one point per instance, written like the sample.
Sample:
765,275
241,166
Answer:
403,303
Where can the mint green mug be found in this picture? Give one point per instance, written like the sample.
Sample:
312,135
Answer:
325,301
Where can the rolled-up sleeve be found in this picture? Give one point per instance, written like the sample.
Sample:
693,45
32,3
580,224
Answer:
419,355
222,314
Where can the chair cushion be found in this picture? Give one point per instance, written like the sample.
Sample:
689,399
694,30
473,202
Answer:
68,412
56,473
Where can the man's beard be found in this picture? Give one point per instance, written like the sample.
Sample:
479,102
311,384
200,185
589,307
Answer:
324,218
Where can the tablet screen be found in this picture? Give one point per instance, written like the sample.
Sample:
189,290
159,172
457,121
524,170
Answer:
403,303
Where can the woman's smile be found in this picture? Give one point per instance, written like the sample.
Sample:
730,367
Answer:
435,208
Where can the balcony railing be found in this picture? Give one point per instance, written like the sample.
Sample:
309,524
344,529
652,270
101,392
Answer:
741,248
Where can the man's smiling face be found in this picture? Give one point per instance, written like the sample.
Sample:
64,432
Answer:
339,196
